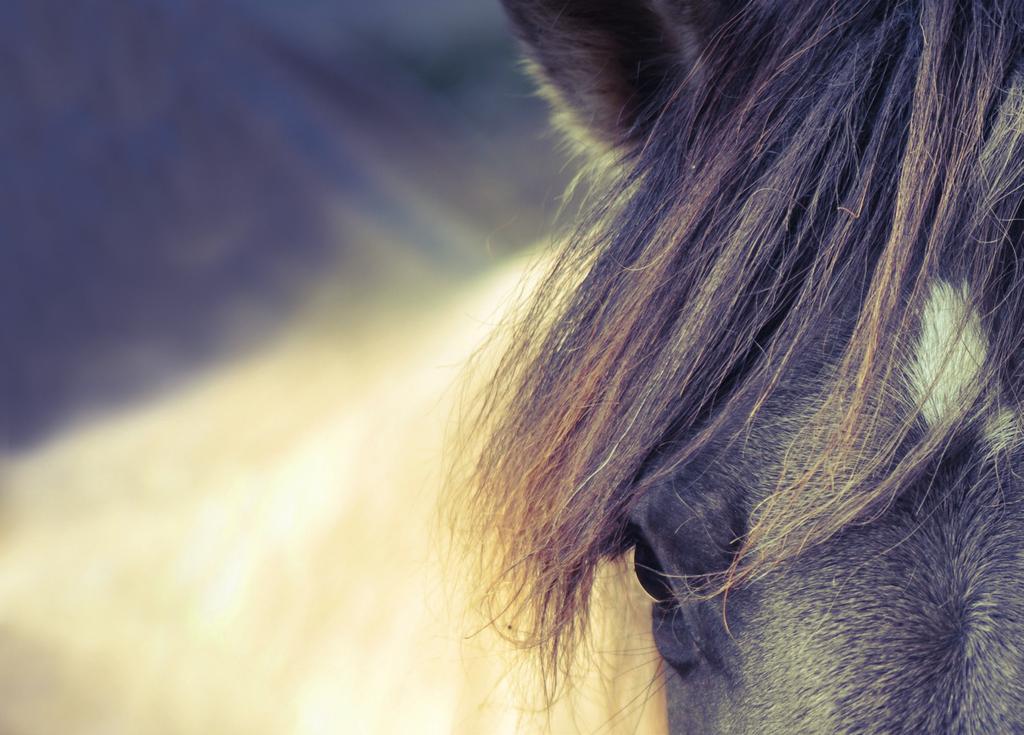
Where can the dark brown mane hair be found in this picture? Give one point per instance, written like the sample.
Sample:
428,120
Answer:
832,158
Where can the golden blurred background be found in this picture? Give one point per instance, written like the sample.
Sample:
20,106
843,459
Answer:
247,246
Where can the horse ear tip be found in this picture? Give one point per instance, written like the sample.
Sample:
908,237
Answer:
604,64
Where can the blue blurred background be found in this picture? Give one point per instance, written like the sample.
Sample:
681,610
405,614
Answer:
179,174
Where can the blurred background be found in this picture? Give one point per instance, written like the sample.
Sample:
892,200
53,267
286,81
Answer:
245,248
179,174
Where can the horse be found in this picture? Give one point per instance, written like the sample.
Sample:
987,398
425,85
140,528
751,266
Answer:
775,368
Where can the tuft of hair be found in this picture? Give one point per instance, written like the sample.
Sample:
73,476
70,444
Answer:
800,195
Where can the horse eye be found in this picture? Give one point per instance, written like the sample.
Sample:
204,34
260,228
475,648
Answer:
650,574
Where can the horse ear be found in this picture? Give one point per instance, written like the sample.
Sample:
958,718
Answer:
606,64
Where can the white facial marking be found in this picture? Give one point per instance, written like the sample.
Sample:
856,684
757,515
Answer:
950,352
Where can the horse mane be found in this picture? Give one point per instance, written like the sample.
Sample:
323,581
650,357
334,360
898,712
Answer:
833,159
